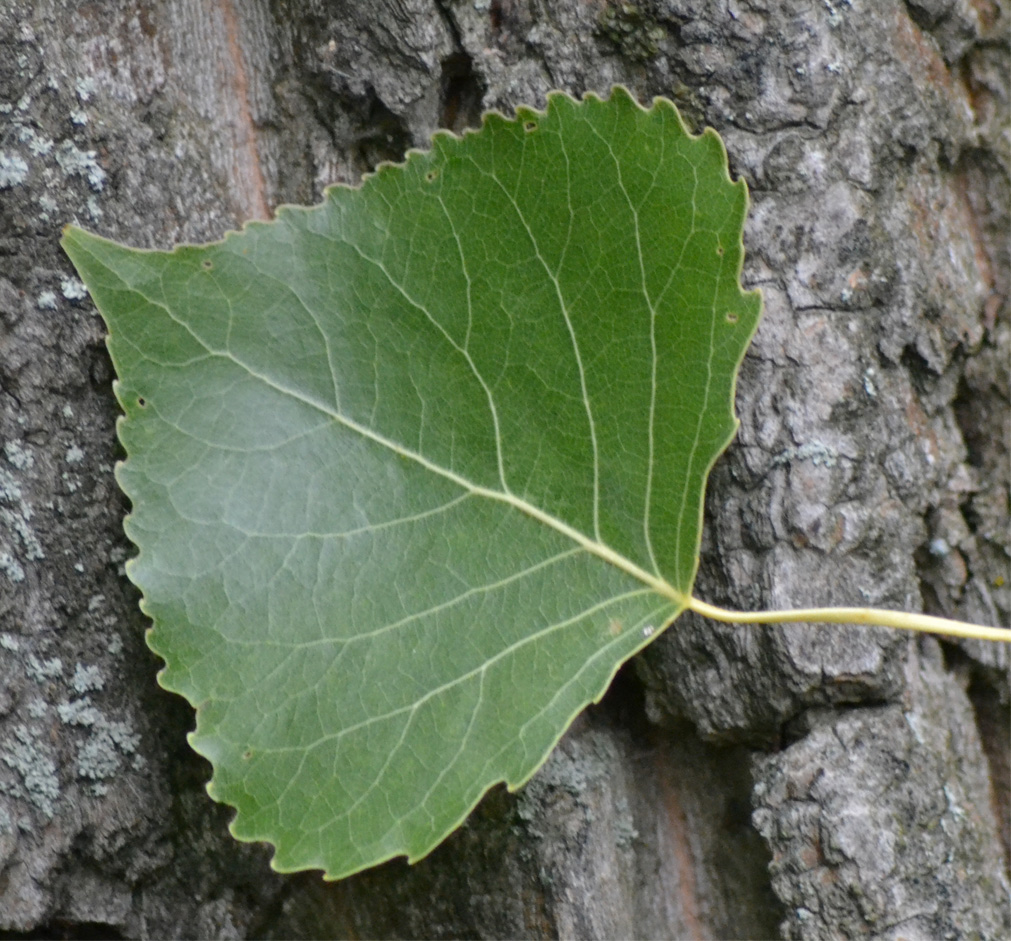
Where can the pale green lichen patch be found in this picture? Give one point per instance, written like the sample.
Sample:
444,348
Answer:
13,170
48,205
817,453
85,88
79,712
108,741
87,678
42,670
38,144
20,456
97,758
15,517
11,567
73,289
76,162
36,768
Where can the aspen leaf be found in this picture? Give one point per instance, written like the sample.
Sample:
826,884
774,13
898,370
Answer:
414,471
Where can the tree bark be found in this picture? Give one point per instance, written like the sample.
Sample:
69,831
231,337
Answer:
802,781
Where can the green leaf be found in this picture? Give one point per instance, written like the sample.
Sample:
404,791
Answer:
415,470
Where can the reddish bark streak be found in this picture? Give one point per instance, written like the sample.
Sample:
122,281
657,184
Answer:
920,55
246,163
682,848
974,229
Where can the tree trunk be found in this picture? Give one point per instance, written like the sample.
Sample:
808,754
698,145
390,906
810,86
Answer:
809,782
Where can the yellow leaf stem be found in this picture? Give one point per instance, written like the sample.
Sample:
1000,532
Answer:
926,623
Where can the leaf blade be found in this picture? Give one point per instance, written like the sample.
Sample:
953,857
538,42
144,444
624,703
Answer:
360,387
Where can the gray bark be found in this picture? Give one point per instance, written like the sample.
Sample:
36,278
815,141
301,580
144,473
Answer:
811,782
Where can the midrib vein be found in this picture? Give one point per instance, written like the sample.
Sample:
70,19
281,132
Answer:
593,546
597,548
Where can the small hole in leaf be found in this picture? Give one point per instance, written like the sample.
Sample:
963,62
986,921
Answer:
247,755
731,317
141,401
719,250
530,126
432,175
207,264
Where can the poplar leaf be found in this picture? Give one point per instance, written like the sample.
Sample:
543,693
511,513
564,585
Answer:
415,470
